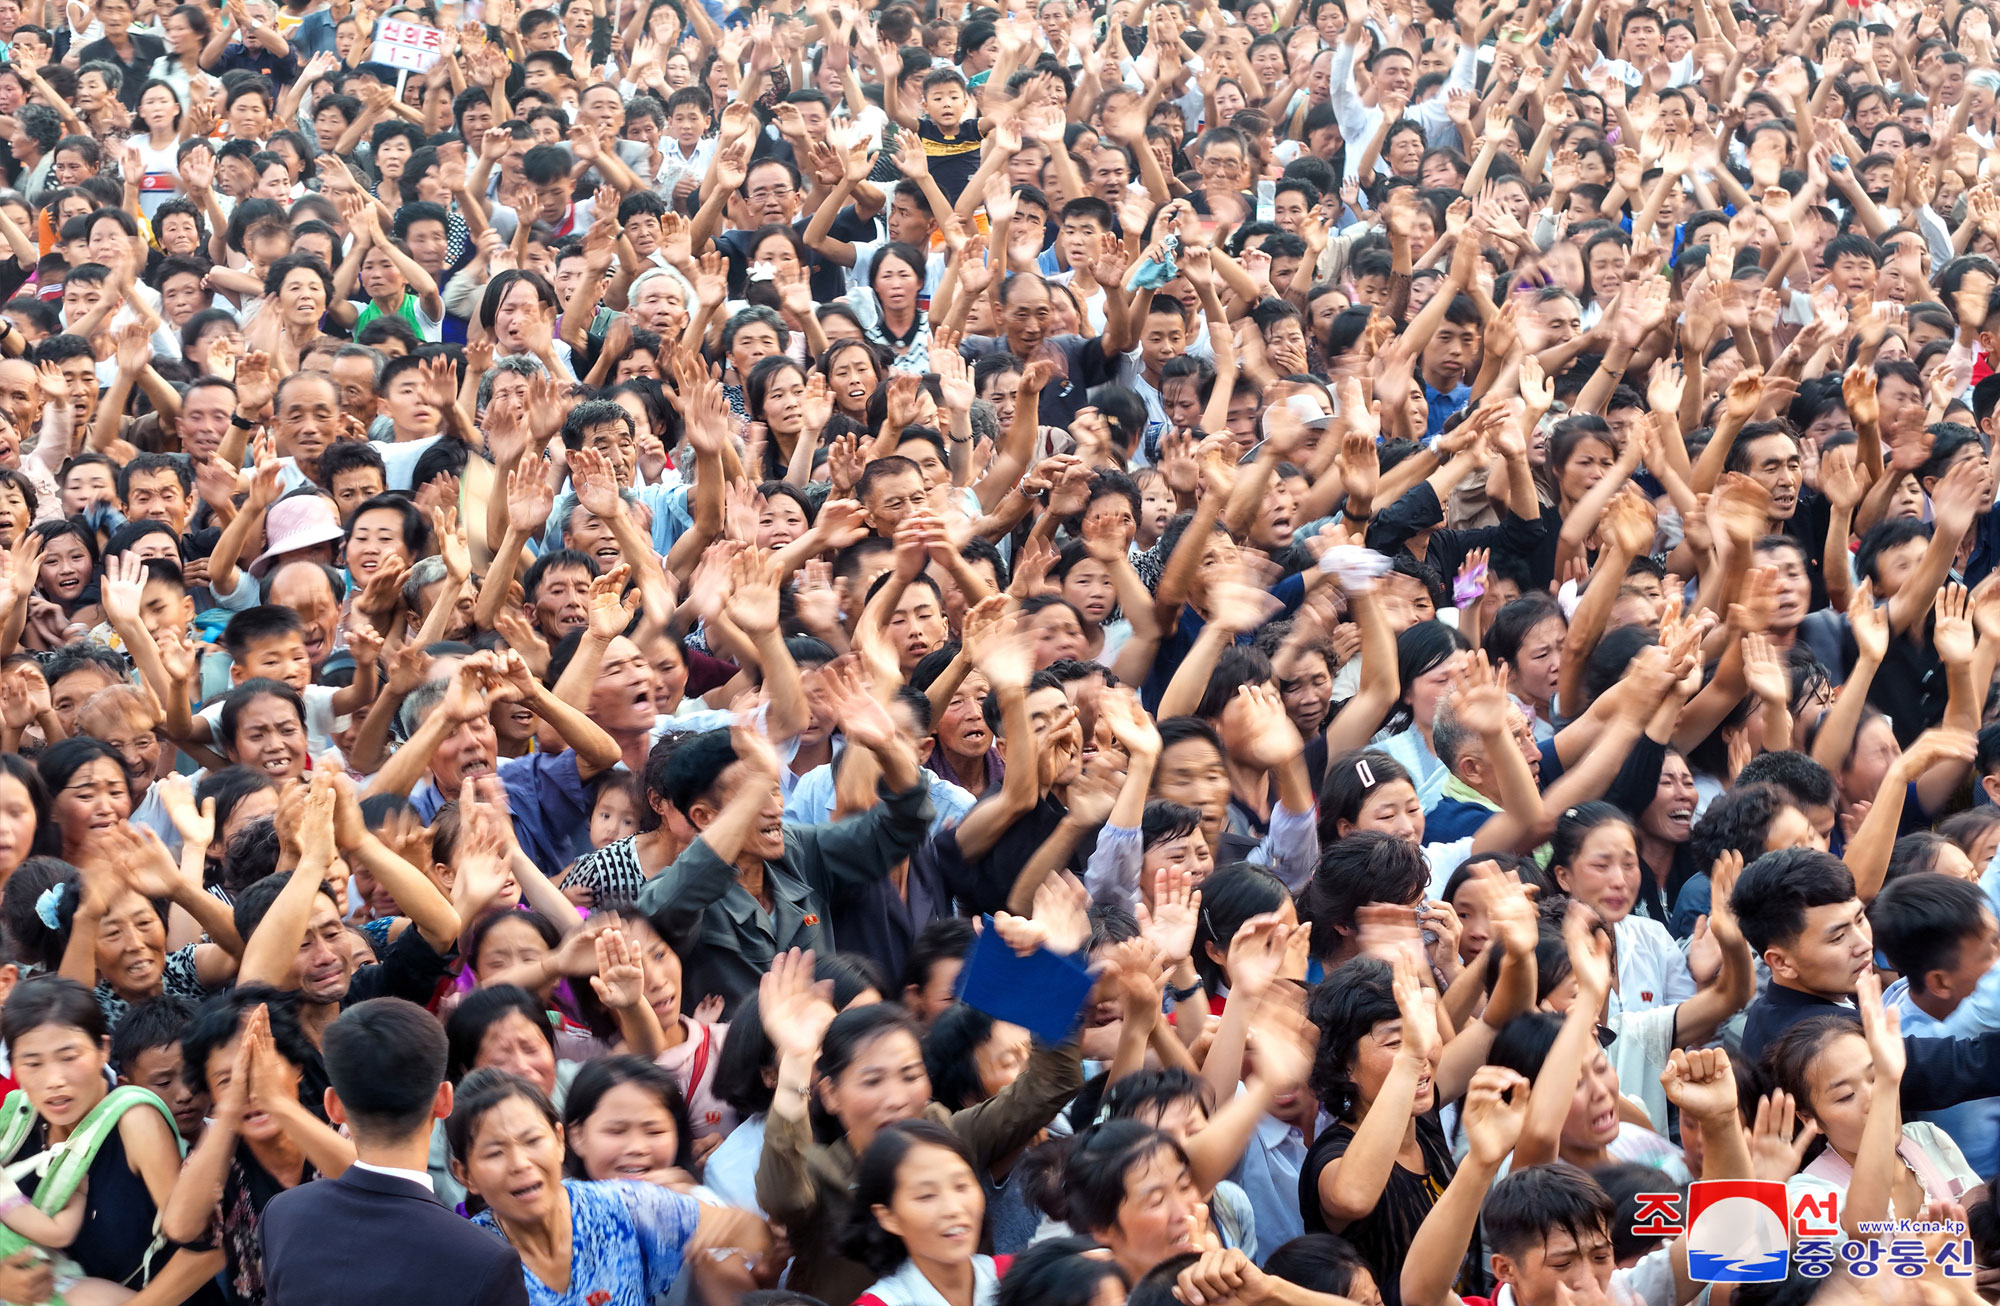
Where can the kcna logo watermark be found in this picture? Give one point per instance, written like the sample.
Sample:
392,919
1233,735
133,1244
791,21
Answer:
1736,1232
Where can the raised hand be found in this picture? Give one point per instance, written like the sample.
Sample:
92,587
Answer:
1496,1110
1170,924
530,499
1700,1083
1778,1142
795,1010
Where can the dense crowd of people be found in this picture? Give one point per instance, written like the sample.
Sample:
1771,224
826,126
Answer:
1191,653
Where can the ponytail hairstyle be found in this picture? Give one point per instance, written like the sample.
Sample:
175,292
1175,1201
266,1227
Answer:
1229,897
1082,1183
1789,1059
1319,1262
1420,650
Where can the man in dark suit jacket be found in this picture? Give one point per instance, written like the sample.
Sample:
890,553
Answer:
378,1233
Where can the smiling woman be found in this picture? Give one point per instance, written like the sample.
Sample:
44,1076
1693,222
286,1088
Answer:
110,928
919,1215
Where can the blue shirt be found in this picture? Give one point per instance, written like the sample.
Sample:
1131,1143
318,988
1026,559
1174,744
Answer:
1974,1125
1291,591
548,801
1442,404
628,1241
314,34
812,801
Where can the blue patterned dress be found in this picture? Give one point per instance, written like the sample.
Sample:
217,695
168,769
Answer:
626,1239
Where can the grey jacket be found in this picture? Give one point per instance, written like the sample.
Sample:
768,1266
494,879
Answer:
726,938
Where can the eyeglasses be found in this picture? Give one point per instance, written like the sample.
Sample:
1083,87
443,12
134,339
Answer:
772,193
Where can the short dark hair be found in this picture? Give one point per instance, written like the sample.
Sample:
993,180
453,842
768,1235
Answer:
1883,536
386,1058
145,463
590,413
1523,1209
531,584
1364,867
945,939
1774,892
1922,921
1854,244
154,1023
265,621
1737,821
880,469
1345,1006
696,766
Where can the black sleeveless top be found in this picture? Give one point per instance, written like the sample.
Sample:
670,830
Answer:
118,1212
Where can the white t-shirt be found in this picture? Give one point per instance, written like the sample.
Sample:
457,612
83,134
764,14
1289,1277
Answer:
161,181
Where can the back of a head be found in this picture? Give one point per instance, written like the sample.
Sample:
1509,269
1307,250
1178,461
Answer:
1924,921
1157,1287
386,1058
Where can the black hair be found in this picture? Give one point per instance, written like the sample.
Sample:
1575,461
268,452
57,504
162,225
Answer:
154,1023
1318,1262
1883,536
1512,624
1085,1185
1738,820
1774,892
475,938
747,1054
1922,921
602,1074
416,528
239,699
958,1033
1163,819
254,902
948,938
855,1029
219,1018
1789,1057
252,625
695,767
482,1009
1345,1006
1366,866
50,1000
1797,776
47,839
1350,778
1054,1272
481,1092
864,1239
1231,897
1523,1209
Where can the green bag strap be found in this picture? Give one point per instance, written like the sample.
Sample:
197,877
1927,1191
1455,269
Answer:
17,1117
64,1166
